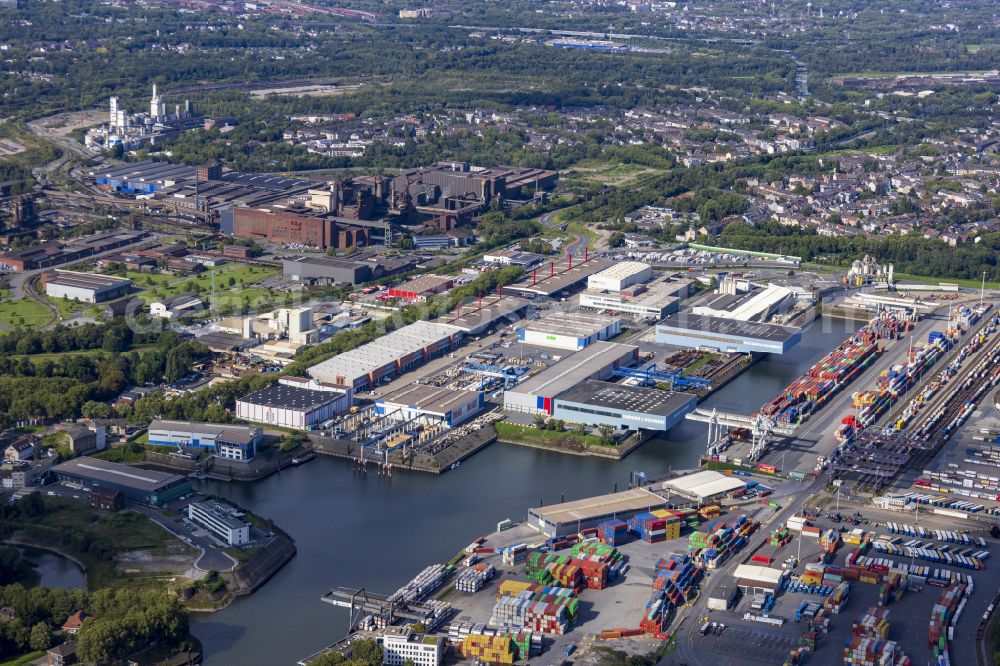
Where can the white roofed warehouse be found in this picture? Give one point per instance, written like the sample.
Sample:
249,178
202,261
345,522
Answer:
753,579
566,330
571,517
84,287
292,406
389,356
620,276
705,486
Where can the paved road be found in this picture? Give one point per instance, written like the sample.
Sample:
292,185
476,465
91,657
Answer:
574,247
687,623
212,557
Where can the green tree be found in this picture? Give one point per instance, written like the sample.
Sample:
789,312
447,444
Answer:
95,410
41,636
607,434
367,651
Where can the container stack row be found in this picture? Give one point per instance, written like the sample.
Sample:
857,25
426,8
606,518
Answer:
595,551
475,578
713,547
514,555
613,532
836,370
547,617
567,571
836,601
648,527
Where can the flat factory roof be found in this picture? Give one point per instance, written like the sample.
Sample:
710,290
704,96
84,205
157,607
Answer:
431,399
109,472
86,280
572,324
575,368
236,433
282,396
548,285
623,269
688,321
757,573
637,499
383,351
470,318
657,294
704,484
626,398
423,284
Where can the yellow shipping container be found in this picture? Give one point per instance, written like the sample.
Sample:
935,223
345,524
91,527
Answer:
491,649
512,588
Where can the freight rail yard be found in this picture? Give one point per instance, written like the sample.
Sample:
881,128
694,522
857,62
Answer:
849,520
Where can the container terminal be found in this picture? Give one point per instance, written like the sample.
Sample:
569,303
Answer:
858,529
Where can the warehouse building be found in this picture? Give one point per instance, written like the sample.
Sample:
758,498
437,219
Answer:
284,224
752,579
726,335
85,287
571,517
143,486
291,406
704,487
142,177
56,253
326,270
746,303
450,406
620,276
388,356
553,279
566,330
536,395
474,318
221,521
655,301
621,406
232,442
723,596
420,287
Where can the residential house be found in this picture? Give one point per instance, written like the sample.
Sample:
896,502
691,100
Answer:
75,622
62,655
22,449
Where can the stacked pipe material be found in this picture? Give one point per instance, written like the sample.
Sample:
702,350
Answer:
474,578
872,622
720,540
594,551
613,532
425,582
648,527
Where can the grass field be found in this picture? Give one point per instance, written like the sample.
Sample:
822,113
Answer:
25,312
511,432
24,659
215,281
971,284
609,173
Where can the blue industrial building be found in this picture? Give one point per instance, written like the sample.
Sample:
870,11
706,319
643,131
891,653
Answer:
595,403
143,177
144,486
232,442
726,335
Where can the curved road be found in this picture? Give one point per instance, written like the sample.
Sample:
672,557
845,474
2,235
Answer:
574,247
